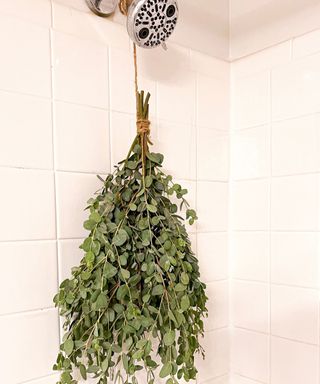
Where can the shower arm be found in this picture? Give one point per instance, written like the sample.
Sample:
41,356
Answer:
103,8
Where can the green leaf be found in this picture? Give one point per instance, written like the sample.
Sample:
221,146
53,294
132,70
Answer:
89,257
165,370
152,208
95,217
68,346
120,238
132,164
185,303
109,270
121,292
180,287
169,338
148,181
125,273
83,371
143,223
89,225
102,301
184,278
157,290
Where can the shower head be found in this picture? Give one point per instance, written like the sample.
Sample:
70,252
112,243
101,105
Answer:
151,22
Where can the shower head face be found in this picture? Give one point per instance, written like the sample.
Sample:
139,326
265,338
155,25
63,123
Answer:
151,22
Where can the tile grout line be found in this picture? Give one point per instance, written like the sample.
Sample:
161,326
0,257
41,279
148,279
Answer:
269,228
229,224
54,157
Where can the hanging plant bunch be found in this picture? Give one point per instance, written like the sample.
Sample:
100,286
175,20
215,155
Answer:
135,302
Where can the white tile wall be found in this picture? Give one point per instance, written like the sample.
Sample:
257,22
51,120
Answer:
274,245
67,97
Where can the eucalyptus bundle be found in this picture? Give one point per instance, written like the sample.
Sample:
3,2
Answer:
135,302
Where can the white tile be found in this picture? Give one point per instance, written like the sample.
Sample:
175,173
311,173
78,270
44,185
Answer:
219,380
306,44
176,98
35,276
293,363
73,192
82,138
250,201
236,379
52,379
122,93
294,313
250,153
26,69
212,206
165,66
212,251
75,4
87,25
212,154
296,88
295,258
209,66
296,146
122,132
250,355
33,341
218,305
80,70
250,305
266,59
216,346
29,119
35,11
250,255
70,256
250,100
294,203
212,102
27,204
177,143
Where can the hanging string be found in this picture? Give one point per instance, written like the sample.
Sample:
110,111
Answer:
142,103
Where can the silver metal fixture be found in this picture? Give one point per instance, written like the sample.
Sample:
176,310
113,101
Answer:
151,22
102,8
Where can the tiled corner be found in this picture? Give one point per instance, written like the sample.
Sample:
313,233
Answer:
250,305
250,355
250,256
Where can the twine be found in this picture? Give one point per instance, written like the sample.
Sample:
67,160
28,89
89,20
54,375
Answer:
143,127
124,5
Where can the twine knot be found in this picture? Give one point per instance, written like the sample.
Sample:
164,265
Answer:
143,126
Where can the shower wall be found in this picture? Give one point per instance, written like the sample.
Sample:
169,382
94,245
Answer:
67,113
274,221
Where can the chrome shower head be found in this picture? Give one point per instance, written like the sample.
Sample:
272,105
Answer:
151,22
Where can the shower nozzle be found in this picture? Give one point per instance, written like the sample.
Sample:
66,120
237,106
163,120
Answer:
149,22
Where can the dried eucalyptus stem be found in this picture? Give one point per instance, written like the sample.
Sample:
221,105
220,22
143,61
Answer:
135,302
